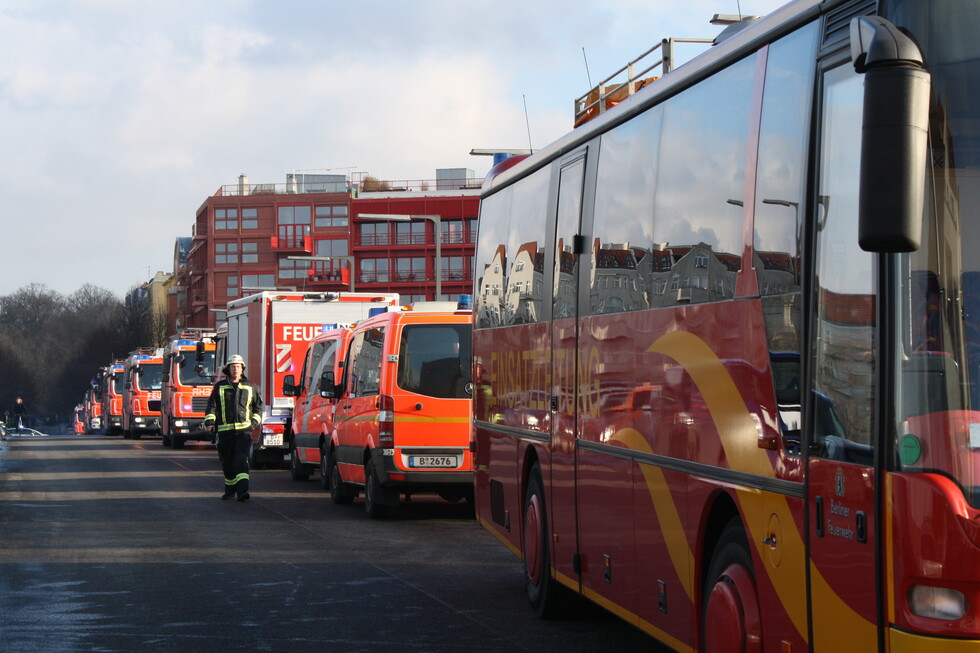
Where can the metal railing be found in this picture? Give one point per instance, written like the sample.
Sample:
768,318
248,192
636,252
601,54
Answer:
608,94
358,183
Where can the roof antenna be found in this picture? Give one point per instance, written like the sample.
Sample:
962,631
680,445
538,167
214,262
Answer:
738,6
587,67
527,123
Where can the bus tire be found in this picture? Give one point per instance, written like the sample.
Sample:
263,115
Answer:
340,492
730,618
372,493
297,470
543,593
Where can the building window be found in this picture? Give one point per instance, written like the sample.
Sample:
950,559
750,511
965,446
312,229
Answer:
471,225
232,286
410,233
250,252
250,218
452,232
410,269
289,269
411,299
250,282
293,225
375,233
374,270
452,269
331,216
331,247
225,253
226,219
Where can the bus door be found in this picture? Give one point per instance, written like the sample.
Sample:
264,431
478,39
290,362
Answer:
564,342
841,477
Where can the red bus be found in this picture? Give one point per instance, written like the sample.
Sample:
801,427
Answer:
726,349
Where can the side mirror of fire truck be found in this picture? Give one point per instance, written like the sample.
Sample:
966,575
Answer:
199,351
327,386
289,386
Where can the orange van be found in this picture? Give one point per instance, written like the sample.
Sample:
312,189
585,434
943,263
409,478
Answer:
401,424
311,425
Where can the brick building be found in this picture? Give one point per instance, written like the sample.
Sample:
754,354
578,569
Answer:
327,233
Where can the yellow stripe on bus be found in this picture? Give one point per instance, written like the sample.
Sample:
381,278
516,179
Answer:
739,434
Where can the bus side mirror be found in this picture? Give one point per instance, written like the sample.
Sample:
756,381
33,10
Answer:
893,136
289,386
328,388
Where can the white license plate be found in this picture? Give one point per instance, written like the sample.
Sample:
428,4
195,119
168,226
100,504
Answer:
433,461
274,440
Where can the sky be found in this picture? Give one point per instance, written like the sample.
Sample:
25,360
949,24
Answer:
119,118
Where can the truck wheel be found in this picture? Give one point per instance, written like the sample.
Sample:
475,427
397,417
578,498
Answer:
340,492
253,457
166,440
324,469
177,441
372,491
730,618
546,597
297,470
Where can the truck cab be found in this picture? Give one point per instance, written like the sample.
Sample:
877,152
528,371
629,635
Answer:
142,383
188,375
315,399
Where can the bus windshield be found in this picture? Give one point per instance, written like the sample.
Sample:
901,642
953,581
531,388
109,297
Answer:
939,285
192,372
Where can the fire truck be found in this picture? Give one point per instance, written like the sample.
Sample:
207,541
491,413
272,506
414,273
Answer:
188,373
110,382
142,382
272,331
92,410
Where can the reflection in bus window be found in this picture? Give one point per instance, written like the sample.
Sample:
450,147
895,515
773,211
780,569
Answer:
844,343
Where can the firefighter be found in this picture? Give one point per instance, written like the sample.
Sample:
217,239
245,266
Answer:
234,410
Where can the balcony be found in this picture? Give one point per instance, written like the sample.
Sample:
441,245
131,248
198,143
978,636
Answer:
293,244
340,276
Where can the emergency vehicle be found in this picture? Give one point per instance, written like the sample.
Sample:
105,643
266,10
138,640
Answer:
78,420
272,330
311,426
142,382
188,374
402,419
92,410
110,382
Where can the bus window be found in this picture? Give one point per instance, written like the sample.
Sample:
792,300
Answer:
844,361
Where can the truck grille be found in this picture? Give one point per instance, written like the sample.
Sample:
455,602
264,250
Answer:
153,405
199,404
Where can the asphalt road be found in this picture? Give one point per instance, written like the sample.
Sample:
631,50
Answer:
117,545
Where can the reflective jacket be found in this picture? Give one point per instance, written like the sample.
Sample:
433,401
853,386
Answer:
234,407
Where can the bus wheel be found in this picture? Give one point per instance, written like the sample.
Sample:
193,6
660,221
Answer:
297,470
730,612
340,492
372,492
542,591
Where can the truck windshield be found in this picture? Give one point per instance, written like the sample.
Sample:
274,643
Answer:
192,372
116,386
434,360
151,376
938,391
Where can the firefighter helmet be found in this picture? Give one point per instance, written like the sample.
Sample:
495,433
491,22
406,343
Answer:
236,358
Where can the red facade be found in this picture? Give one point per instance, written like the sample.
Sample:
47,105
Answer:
248,238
